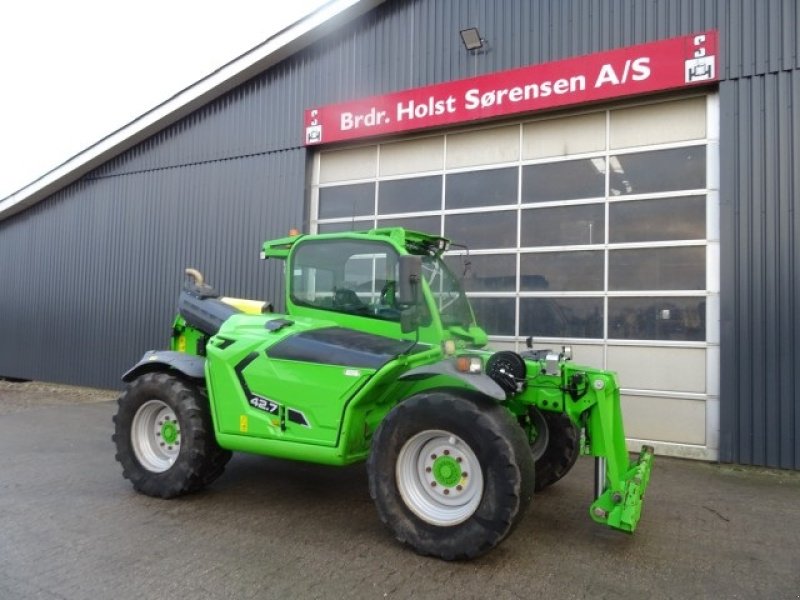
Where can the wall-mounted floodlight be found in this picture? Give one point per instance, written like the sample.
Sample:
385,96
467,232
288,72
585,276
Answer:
472,39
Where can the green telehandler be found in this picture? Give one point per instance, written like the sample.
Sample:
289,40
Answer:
378,358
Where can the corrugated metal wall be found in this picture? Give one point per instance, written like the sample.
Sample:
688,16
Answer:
760,277
90,275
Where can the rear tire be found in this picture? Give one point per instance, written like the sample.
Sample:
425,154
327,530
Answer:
164,437
450,475
563,449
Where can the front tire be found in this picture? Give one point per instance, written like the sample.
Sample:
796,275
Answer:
450,475
561,451
165,438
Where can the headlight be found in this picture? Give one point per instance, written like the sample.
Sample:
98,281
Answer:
469,364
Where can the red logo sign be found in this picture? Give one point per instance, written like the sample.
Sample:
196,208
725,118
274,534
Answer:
657,66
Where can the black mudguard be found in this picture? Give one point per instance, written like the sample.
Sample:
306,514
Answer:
481,383
156,360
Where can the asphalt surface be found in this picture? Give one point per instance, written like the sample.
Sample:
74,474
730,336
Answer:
72,528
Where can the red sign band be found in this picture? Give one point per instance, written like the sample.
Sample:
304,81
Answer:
668,64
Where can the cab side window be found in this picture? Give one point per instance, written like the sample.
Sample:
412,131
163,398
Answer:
347,276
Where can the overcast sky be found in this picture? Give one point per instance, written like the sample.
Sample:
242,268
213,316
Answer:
73,71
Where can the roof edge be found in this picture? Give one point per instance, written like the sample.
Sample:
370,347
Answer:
276,48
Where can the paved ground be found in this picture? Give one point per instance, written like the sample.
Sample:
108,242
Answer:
72,528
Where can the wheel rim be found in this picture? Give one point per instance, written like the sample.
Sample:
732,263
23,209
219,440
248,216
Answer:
539,445
439,478
156,436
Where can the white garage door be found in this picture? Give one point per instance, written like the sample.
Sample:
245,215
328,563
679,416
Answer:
597,229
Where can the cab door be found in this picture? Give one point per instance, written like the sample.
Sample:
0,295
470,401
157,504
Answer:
304,382
344,289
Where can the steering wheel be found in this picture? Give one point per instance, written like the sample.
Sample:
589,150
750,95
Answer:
347,300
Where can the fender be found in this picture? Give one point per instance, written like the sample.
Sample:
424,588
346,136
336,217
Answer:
481,382
154,360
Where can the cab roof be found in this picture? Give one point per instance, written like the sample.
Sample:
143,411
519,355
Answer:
414,242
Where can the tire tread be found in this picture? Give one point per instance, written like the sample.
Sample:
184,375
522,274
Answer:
501,435
200,460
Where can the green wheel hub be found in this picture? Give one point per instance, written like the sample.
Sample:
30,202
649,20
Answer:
446,471
169,432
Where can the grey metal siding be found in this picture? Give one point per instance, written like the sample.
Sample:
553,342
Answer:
90,275
760,279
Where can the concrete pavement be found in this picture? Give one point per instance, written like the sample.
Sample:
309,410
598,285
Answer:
72,528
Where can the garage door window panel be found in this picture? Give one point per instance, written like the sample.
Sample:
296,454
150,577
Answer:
561,317
412,156
657,269
483,230
564,136
348,164
563,225
481,188
657,220
658,171
410,195
664,318
347,201
424,224
565,180
495,315
485,273
561,271
660,123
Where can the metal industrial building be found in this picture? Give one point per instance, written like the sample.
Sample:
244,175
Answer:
654,230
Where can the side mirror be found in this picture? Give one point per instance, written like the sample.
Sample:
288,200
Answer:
409,281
